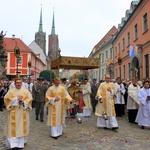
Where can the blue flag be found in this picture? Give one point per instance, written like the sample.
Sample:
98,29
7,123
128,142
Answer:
131,52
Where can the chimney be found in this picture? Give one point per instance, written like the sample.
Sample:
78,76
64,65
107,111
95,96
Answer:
13,37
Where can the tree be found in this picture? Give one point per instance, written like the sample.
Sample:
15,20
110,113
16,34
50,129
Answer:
82,76
46,75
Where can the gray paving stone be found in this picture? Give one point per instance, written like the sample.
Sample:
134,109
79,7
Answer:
85,136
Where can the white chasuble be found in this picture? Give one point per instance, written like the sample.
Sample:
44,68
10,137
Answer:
56,110
17,117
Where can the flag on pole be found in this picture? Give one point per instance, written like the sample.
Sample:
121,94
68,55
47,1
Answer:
108,62
131,52
135,50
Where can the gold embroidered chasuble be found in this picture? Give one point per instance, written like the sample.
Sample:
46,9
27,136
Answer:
56,111
17,118
107,104
74,91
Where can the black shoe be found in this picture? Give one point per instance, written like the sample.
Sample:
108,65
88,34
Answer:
131,122
105,128
142,127
1,109
37,118
42,120
115,128
118,115
55,137
15,148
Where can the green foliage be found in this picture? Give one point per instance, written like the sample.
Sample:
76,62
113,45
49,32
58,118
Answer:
81,76
46,75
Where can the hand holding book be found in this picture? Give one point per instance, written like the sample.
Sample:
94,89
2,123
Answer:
148,98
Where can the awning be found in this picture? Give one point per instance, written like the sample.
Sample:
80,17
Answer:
78,63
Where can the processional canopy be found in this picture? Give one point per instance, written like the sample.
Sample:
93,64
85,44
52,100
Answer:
81,63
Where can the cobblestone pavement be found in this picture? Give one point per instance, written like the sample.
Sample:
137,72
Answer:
85,136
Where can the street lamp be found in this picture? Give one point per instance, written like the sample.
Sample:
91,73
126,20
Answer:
17,54
3,57
59,61
29,65
51,68
99,66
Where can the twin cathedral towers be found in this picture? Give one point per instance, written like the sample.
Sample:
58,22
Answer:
53,43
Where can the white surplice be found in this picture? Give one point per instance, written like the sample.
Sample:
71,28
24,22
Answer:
119,99
132,100
143,116
86,91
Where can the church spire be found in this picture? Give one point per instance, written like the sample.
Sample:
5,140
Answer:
40,24
53,25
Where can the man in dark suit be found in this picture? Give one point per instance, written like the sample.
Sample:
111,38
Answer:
38,94
94,88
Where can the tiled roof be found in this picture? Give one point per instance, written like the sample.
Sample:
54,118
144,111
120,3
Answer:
10,44
38,51
106,38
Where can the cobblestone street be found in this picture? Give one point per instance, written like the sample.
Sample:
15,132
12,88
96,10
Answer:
85,136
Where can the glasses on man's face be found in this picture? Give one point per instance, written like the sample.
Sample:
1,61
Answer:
18,82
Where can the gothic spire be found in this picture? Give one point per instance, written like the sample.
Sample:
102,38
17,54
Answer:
40,24
53,25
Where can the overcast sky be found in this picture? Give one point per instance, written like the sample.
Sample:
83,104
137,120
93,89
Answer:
79,24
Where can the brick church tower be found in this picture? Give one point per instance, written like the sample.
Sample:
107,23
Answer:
40,36
53,43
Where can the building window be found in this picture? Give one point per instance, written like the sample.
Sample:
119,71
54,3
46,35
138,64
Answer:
145,23
116,73
102,57
136,32
111,53
124,71
119,48
106,54
96,75
129,70
147,65
102,73
128,38
115,51
123,44
19,60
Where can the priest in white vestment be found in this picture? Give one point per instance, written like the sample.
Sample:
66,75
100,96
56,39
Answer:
56,98
132,101
86,92
143,115
119,99
18,103
65,85
105,110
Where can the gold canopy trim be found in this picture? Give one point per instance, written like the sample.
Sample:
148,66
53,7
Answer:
75,63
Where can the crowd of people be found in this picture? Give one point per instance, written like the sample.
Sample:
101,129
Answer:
108,100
